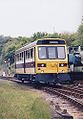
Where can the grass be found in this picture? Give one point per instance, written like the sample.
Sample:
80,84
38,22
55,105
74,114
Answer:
19,102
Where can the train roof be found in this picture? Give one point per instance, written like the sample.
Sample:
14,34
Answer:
28,45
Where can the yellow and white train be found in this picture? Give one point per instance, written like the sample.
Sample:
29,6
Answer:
44,61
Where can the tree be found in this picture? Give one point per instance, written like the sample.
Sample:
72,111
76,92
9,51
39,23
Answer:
80,34
39,35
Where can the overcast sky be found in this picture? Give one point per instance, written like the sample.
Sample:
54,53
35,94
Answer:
25,17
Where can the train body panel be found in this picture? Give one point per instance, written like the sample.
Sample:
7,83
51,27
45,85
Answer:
75,58
45,59
20,71
51,67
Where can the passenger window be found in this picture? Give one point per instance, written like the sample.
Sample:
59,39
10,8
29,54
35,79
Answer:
31,53
17,57
20,56
26,55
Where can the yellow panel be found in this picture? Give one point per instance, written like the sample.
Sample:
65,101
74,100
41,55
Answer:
51,67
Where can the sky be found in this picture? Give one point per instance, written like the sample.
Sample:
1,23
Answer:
26,17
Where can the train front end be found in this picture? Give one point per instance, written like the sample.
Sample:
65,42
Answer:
51,61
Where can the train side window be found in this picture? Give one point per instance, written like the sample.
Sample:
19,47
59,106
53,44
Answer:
31,53
34,53
20,56
17,57
26,54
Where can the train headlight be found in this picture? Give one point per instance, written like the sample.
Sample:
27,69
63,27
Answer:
41,65
62,64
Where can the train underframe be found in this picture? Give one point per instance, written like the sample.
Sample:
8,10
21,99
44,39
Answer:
45,78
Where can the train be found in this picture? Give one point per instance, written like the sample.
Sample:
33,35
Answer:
75,56
43,61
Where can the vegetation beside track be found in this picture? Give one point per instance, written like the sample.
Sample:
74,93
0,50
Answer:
20,102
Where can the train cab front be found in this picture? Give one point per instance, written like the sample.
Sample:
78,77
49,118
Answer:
51,64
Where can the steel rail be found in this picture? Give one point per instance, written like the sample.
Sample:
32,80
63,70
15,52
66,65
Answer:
74,89
71,99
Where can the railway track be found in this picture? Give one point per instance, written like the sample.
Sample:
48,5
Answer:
71,91
66,95
7,77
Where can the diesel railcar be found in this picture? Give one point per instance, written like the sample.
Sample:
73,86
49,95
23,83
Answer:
43,61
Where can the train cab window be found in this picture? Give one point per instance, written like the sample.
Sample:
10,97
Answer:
61,52
42,53
52,52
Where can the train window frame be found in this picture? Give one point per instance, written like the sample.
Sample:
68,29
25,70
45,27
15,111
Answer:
38,52
29,54
64,52
26,54
55,47
20,57
56,53
17,57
